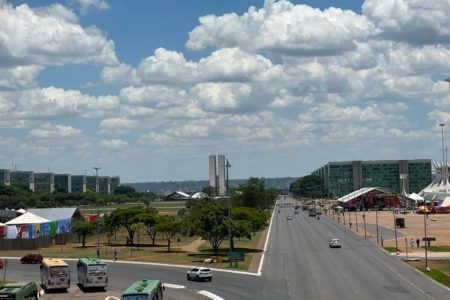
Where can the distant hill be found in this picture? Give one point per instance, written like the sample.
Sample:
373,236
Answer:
191,186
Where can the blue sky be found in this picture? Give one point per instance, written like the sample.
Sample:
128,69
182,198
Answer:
148,89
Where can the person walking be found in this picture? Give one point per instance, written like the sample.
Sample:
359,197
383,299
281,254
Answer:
412,243
115,254
382,241
418,243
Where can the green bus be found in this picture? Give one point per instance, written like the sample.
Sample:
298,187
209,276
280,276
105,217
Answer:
22,290
92,272
144,290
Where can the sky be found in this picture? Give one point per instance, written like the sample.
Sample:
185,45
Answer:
147,90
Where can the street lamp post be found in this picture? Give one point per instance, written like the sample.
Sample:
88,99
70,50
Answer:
227,166
425,231
395,228
98,213
376,220
356,216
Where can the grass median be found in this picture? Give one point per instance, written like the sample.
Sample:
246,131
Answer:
440,269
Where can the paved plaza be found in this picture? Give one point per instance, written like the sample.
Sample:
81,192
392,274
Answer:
438,226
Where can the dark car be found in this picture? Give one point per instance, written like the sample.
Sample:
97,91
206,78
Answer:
31,258
1,263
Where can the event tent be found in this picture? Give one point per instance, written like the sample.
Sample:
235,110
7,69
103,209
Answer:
30,225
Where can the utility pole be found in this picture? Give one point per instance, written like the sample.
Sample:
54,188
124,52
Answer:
227,166
98,213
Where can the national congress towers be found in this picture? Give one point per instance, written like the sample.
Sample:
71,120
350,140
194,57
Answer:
217,173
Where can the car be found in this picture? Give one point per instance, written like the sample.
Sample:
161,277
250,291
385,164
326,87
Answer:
199,274
289,217
1,263
296,212
335,243
31,258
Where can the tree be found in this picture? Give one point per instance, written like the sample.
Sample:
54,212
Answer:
212,224
254,194
122,190
149,219
257,218
126,217
169,227
83,228
310,186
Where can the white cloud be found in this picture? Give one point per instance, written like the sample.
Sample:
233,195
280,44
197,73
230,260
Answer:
413,21
283,27
50,36
398,106
50,131
121,125
113,144
86,5
155,96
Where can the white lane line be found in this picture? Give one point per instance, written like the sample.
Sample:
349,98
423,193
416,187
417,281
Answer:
210,295
173,286
112,298
266,244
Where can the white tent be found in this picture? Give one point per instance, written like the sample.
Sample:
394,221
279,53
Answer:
27,218
416,197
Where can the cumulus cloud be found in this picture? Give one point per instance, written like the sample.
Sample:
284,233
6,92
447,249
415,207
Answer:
114,144
86,5
50,131
121,125
283,27
413,21
50,36
51,101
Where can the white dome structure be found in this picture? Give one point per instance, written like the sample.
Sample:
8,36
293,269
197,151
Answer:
438,191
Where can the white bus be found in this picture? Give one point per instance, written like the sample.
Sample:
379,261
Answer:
55,274
92,272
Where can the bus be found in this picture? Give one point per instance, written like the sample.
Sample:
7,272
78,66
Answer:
92,272
55,274
22,290
312,211
144,290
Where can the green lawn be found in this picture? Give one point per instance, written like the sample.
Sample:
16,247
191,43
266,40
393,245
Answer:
160,206
145,252
440,269
390,249
438,248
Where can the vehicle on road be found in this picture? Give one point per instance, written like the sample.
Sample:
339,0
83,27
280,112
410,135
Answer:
144,290
295,212
31,258
55,274
335,243
199,274
289,217
92,272
2,263
312,211
22,290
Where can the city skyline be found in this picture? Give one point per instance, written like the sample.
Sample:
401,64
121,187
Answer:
147,91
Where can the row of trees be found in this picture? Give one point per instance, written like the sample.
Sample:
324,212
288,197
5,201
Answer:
310,186
206,217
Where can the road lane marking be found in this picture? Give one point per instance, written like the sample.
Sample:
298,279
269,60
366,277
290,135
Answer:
265,245
210,295
112,298
173,286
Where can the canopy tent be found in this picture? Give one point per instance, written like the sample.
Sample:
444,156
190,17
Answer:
27,218
416,197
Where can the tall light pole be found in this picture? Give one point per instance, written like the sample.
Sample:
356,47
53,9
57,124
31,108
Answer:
98,213
395,228
426,242
227,166
442,135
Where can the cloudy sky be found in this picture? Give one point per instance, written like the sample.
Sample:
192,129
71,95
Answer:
148,89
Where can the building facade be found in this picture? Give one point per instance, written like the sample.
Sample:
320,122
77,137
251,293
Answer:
5,177
104,184
63,183
115,182
212,172
23,179
342,178
92,183
44,182
78,184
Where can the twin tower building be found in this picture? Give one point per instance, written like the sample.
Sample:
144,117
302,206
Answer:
218,173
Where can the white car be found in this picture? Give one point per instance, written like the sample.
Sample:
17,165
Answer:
335,243
289,217
199,274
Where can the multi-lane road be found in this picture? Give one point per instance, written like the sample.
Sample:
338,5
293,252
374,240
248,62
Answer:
298,264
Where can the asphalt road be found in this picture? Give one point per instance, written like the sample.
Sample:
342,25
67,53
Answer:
298,265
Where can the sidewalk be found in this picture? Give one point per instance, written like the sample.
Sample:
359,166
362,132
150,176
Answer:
193,246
